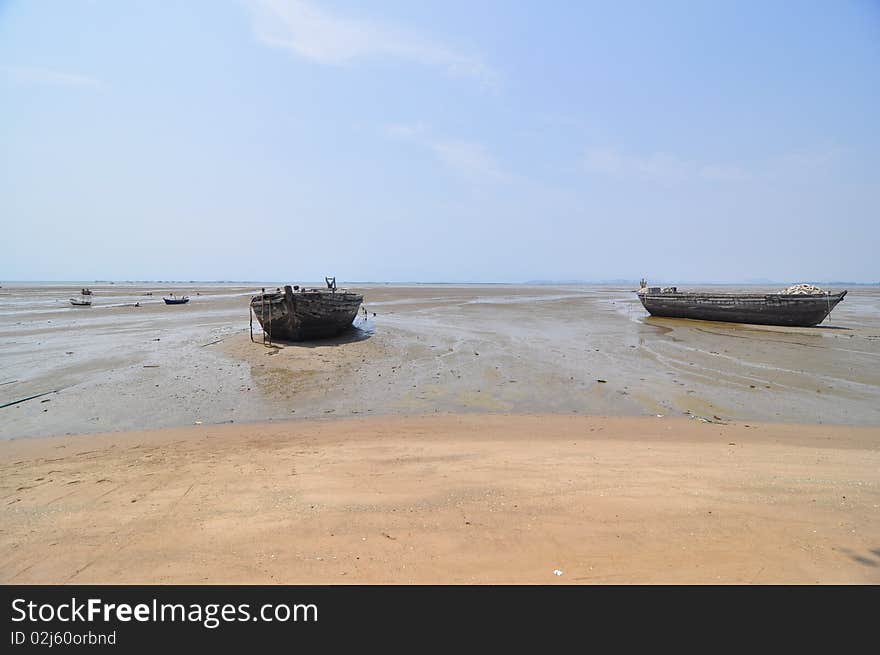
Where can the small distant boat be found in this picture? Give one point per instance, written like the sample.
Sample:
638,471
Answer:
797,306
176,301
299,314
81,302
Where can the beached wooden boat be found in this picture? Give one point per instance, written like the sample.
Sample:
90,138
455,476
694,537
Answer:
81,302
791,309
302,314
176,301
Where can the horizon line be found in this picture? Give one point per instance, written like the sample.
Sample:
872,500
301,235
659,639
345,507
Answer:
610,281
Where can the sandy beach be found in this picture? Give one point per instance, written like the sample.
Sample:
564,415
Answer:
457,434
446,499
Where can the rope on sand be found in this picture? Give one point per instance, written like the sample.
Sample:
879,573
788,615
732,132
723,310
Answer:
16,402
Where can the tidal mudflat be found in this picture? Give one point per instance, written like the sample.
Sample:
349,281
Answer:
428,349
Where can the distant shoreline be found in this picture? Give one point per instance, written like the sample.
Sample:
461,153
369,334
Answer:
762,283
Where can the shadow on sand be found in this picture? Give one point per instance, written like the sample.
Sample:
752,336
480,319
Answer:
668,322
871,558
359,331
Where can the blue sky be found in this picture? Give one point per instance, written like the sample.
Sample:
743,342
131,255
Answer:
457,141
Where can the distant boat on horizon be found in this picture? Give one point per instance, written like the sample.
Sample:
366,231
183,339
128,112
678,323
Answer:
84,300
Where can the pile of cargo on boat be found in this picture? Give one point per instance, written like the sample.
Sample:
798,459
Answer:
803,290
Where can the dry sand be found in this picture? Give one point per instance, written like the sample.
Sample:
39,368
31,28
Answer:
446,499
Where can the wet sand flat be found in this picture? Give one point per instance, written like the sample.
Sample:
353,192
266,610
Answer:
446,499
429,348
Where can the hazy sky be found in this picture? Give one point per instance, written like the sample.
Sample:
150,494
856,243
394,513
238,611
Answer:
475,140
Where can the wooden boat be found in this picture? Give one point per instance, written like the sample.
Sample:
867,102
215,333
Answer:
81,302
300,314
176,301
791,309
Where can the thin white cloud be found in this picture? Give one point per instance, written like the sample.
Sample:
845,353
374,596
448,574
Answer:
317,34
804,164
467,158
670,169
471,159
54,78
412,131
657,167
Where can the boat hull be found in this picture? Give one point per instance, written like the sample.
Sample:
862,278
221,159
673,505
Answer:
176,301
795,310
305,315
